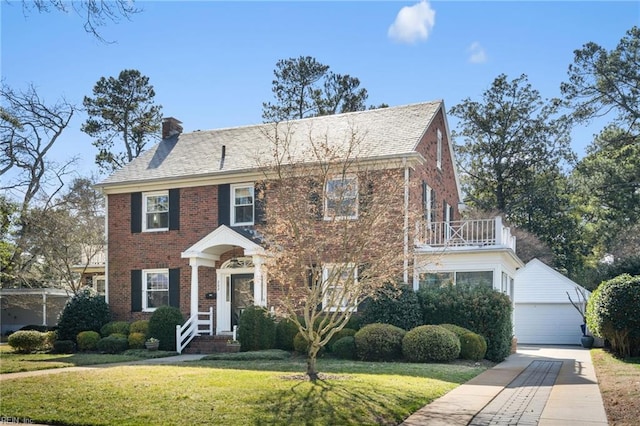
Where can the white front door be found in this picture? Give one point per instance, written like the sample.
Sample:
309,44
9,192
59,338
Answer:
236,291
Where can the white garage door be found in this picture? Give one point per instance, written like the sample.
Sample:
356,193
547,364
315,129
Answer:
547,324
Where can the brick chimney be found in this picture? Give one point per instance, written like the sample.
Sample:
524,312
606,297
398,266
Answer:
170,127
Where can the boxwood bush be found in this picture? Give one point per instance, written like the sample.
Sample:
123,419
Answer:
472,345
339,335
379,342
478,308
286,330
430,343
613,313
64,346
140,326
112,344
256,329
27,341
87,340
85,311
396,305
113,327
162,326
136,340
345,348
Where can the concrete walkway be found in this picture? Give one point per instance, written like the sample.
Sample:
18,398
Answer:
528,388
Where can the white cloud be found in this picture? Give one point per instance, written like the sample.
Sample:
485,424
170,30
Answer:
413,23
477,53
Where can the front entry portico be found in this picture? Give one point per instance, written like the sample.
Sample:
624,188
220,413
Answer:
239,281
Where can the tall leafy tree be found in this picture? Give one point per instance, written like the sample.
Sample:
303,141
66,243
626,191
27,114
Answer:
122,114
304,87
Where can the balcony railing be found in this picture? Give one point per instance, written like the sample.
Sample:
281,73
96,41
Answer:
464,234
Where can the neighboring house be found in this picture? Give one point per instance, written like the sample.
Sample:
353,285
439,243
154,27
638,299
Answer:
183,219
31,306
92,268
543,313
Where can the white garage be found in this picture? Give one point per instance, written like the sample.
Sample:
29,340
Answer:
543,313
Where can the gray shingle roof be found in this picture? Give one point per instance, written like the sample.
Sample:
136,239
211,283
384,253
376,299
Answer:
385,132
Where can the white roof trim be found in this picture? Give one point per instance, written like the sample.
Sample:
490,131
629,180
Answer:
538,263
219,241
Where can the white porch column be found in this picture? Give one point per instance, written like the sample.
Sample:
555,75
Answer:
259,291
194,287
498,230
44,307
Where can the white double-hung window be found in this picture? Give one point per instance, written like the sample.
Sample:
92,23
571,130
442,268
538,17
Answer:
156,211
242,204
339,281
155,289
341,198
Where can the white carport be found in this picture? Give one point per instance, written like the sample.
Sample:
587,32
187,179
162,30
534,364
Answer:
543,313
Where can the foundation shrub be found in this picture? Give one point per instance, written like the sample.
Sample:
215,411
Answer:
472,346
85,311
300,344
394,304
339,335
140,326
136,340
613,313
64,346
256,329
379,342
112,344
345,348
87,340
430,343
115,327
286,330
162,326
27,341
477,308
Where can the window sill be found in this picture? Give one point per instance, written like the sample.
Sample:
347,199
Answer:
156,230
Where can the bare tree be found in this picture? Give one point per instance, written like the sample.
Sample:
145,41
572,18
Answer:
334,231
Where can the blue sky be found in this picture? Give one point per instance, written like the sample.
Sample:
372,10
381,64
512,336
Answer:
211,63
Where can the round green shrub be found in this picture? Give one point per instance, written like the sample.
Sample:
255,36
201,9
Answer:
339,335
162,326
256,329
113,327
613,313
136,340
27,341
379,342
430,343
85,311
286,330
459,331
394,304
300,344
50,337
63,346
472,346
345,348
140,326
87,340
112,344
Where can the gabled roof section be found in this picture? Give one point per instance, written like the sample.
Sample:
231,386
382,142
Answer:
385,133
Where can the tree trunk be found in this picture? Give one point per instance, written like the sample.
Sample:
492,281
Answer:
312,357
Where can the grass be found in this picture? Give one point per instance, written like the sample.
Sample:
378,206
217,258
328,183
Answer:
619,382
230,392
11,362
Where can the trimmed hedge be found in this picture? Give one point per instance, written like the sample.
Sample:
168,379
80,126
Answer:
339,335
395,305
613,313
115,327
472,345
87,340
162,326
286,330
379,342
256,329
63,346
140,326
27,341
112,344
478,308
345,348
136,340
300,344
430,343
85,311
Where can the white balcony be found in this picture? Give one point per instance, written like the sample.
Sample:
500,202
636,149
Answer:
464,235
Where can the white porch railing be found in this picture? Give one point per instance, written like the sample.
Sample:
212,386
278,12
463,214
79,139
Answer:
194,326
464,234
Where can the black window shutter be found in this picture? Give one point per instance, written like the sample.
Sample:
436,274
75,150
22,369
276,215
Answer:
434,203
425,207
174,288
451,212
174,209
365,195
260,195
315,199
136,290
136,212
444,211
224,208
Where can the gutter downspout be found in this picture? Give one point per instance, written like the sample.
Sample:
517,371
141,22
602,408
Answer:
405,265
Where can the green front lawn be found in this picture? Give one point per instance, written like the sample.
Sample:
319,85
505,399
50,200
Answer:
11,362
232,393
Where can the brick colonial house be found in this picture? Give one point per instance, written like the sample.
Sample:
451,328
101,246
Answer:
183,217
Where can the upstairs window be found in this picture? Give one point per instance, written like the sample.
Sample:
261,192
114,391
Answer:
439,150
242,204
156,211
341,198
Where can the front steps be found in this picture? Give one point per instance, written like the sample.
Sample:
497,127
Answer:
210,345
